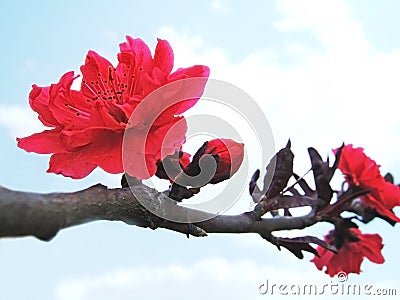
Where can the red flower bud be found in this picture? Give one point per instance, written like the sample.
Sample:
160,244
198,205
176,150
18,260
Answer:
228,156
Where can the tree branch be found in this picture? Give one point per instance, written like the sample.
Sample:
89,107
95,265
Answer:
43,215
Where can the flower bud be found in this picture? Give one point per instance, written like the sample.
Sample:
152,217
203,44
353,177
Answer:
228,156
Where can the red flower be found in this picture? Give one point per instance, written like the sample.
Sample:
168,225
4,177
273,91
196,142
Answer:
87,126
362,171
227,153
352,247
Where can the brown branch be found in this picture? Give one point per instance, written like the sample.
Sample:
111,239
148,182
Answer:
43,215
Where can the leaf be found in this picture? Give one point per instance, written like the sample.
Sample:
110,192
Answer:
254,190
253,181
304,185
299,244
281,169
335,164
321,171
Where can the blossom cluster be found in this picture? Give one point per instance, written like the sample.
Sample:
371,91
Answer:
119,114
362,172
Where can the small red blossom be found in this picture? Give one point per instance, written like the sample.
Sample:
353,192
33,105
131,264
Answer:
87,126
227,153
362,171
352,247
230,156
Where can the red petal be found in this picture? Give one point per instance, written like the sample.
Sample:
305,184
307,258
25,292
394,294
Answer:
358,167
103,115
371,247
164,140
39,101
141,152
140,52
44,142
163,56
389,193
96,72
191,91
372,202
69,107
194,71
70,164
74,140
103,149
324,257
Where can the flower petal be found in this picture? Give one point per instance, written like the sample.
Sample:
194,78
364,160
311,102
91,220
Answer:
163,56
372,246
70,164
379,206
45,142
194,71
191,90
141,151
96,73
68,107
104,149
139,52
39,101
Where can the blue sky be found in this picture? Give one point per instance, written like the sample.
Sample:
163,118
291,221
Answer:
322,71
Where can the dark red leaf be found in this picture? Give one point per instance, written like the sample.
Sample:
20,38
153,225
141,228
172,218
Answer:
281,169
321,173
299,244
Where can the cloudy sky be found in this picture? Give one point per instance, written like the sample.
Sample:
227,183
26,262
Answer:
323,72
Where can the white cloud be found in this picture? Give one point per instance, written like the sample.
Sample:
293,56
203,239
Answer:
221,6
212,278
325,93
330,21
19,121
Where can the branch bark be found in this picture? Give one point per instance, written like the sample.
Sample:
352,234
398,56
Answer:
44,215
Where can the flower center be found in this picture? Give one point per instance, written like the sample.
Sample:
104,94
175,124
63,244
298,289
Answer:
113,87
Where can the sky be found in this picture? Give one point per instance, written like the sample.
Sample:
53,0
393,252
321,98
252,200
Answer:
322,72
